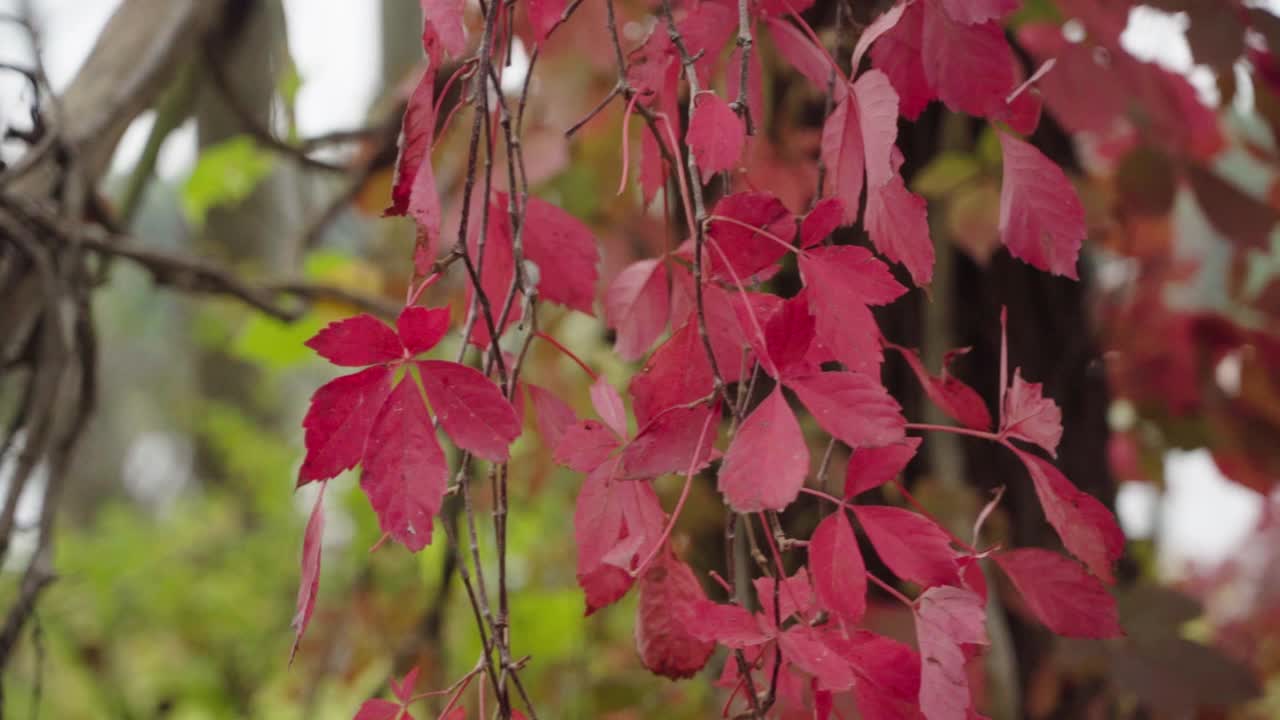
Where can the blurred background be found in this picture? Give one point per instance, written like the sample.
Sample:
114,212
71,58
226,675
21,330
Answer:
177,548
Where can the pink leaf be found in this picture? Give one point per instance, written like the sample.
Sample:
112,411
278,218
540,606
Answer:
403,690
804,648
913,546
952,396
422,328
637,306
443,29
668,442
309,583
871,467
1087,528
1031,417
565,252
767,462
854,408
669,600
338,421
878,123
883,23
788,333
615,523
378,709
971,67
821,221
946,619
498,267
971,12
808,59
1061,593
844,157
470,408
414,192
899,54
543,16
716,135
609,407
847,275
835,563
552,415
898,223
405,471
585,445
1041,219
730,625
357,341
743,239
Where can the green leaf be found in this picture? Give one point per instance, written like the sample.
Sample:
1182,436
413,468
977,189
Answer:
225,175
946,173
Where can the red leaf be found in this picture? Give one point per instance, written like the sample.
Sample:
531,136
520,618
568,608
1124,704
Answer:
888,674
803,647
848,275
668,442
878,122
788,333
971,12
405,471
821,221
970,67
543,16
844,157
470,408
498,266
946,618
565,252
1087,528
767,462
403,690
309,583
1041,219
1031,417
731,626
899,54
743,241
898,223
952,396
883,23
1061,593
677,373
871,467
609,407
637,306
338,421
585,445
553,416
854,408
840,282
421,328
615,523
835,564
414,192
357,341
913,546
443,29
808,59
795,596
716,135
378,709
669,600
